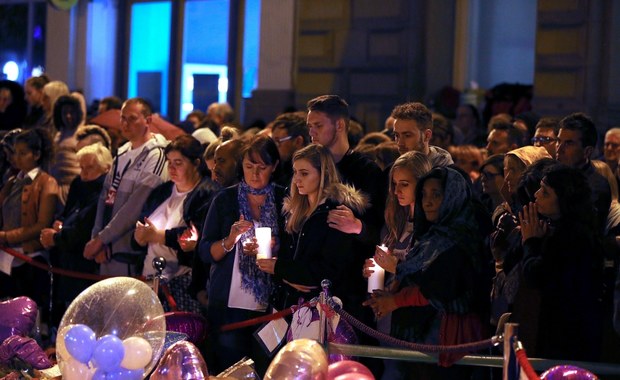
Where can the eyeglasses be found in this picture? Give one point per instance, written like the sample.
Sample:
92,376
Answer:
544,140
487,175
282,139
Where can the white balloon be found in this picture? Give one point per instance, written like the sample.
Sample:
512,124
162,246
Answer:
138,353
72,369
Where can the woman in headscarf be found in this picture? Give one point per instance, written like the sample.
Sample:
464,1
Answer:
441,290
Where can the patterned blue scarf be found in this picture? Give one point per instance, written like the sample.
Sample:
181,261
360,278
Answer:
252,278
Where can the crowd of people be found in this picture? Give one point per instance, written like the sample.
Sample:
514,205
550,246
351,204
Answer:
474,223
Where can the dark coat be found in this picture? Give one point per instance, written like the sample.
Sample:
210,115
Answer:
78,219
195,209
565,267
320,252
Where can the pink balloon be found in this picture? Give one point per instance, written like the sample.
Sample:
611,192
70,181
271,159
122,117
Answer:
182,360
567,372
17,317
354,376
348,367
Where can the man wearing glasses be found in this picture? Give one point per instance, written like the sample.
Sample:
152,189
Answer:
290,133
611,148
547,134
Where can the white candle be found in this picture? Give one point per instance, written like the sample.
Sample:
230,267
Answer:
377,278
263,237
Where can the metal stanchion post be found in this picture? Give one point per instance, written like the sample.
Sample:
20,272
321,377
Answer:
511,368
159,264
323,328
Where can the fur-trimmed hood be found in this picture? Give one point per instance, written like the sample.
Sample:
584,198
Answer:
341,194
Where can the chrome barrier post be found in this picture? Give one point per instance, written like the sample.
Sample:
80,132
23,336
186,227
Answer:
323,297
511,367
159,264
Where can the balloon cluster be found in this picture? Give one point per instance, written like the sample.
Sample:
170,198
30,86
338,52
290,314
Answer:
115,329
107,358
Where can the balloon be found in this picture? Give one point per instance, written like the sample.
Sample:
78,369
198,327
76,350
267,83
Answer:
299,359
181,361
74,370
108,353
354,376
193,325
100,375
119,374
122,306
138,353
25,349
80,342
173,337
17,317
345,367
567,372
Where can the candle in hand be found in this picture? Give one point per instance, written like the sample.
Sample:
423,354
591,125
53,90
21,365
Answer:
377,278
263,237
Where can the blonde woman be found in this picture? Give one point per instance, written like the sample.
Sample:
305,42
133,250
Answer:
312,251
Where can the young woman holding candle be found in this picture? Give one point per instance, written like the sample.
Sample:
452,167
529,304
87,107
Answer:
312,251
237,289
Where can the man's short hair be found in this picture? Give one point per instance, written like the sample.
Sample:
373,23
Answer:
549,123
112,102
332,105
582,123
147,110
414,111
294,123
515,136
613,131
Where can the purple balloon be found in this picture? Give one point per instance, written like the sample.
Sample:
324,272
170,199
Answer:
80,342
567,372
191,324
108,353
25,349
17,317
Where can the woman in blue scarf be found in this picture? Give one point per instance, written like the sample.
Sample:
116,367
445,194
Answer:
237,289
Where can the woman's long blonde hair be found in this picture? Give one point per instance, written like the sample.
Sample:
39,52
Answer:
396,216
299,207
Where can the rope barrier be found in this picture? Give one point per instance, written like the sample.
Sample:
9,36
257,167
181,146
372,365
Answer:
263,319
524,363
428,348
63,272
171,302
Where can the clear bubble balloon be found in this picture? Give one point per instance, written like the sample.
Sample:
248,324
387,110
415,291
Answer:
121,306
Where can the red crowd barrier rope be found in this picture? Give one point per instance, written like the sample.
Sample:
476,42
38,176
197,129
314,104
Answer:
524,363
171,302
63,272
262,319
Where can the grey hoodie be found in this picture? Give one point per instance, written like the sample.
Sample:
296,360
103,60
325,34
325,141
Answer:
145,173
